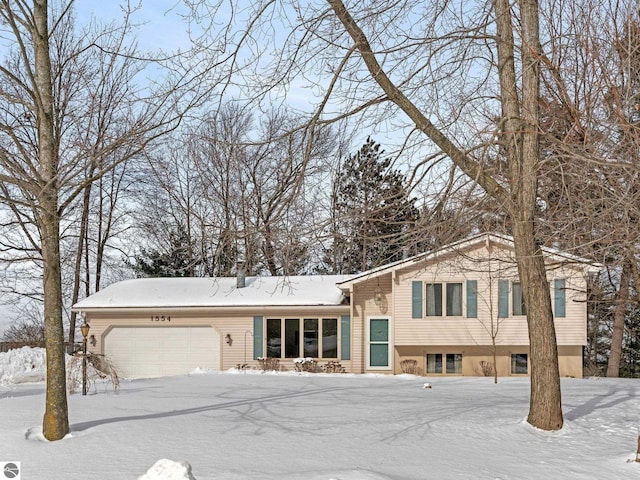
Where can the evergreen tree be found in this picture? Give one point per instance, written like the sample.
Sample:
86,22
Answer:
176,261
373,213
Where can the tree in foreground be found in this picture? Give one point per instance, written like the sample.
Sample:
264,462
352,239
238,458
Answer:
519,93
71,114
443,75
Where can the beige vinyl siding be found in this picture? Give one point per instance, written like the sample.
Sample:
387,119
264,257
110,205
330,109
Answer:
239,325
236,326
570,330
364,307
569,358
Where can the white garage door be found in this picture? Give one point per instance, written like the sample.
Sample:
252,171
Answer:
141,352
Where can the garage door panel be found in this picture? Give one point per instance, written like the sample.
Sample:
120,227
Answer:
139,352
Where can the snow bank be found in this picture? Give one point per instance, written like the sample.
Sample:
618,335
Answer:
22,365
29,365
168,470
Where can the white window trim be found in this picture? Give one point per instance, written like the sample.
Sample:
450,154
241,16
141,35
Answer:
389,342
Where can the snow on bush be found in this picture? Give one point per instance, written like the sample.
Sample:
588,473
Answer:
168,470
303,360
306,364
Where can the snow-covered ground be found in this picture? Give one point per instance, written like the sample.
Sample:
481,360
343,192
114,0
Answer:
233,425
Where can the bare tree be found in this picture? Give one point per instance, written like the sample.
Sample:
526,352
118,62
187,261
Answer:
57,137
29,332
515,46
282,169
444,73
588,194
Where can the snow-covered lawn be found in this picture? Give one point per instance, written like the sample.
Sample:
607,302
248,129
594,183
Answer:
320,427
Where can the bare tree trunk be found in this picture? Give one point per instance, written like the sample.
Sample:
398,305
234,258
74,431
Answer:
56,418
77,269
495,327
520,139
56,421
619,317
522,144
268,248
545,406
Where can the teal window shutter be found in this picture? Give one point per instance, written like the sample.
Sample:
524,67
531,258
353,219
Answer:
559,298
257,337
503,298
416,299
472,299
345,337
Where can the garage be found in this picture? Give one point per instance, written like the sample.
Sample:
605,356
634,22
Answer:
142,352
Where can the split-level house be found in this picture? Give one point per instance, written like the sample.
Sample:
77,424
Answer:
457,310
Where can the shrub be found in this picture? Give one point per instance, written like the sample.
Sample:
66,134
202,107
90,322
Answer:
333,367
486,368
99,367
307,364
269,363
591,370
410,366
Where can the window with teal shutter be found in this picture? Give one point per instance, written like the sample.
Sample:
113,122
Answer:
416,299
345,337
503,298
472,299
257,337
559,297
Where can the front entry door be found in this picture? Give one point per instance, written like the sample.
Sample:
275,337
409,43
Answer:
379,348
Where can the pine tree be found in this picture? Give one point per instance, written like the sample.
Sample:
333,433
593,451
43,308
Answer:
373,213
176,261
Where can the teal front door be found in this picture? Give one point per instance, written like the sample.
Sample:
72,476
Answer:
379,342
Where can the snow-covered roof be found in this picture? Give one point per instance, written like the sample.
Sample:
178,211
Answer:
217,292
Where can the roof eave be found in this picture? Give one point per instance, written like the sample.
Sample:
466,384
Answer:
505,240
211,308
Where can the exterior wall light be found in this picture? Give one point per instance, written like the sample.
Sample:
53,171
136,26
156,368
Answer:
228,339
378,298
